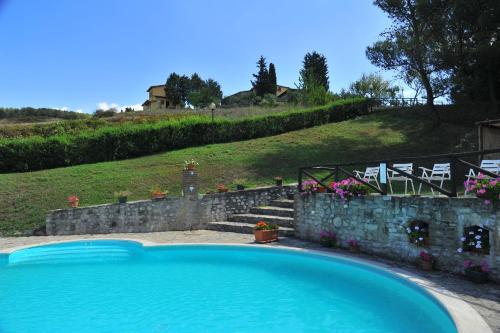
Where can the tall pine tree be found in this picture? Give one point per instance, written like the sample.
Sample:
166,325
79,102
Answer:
315,67
261,83
272,79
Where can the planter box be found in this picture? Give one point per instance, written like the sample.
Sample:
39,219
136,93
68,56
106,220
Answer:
265,236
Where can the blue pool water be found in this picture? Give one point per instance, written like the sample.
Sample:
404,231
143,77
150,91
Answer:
119,286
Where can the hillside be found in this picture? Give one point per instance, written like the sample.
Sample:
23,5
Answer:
30,115
24,197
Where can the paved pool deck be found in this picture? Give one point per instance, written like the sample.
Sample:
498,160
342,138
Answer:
485,299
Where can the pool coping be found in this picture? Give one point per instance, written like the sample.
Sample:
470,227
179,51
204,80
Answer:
465,317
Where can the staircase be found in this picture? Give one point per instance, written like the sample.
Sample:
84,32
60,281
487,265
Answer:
278,212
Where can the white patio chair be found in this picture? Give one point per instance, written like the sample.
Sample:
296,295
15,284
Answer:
440,172
370,174
394,176
492,166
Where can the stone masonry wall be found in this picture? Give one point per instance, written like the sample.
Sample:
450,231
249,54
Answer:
379,224
186,213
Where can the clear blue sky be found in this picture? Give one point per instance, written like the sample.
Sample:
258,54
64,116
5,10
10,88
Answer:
79,53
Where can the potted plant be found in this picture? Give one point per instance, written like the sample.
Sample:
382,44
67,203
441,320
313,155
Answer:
265,232
477,273
353,245
418,234
73,201
278,180
122,196
349,188
484,188
426,260
240,184
328,238
221,188
158,194
190,164
309,186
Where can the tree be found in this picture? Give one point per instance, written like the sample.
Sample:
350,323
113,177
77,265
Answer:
273,81
315,68
210,92
411,46
262,85
312,92
471,49
177,89
373,86
196,82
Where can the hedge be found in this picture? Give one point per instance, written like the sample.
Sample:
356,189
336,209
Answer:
133,140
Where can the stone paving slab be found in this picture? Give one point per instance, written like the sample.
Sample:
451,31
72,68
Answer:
485,299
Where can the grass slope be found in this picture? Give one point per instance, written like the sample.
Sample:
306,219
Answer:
25,197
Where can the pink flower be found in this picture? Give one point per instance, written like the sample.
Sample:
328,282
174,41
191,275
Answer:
467,263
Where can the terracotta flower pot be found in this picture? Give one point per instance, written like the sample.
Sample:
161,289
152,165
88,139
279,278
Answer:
476,276
223,190
74,204
190,167
427,265
265,236
321,189
158,196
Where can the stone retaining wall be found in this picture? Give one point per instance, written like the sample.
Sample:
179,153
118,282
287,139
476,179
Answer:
379,224
185,213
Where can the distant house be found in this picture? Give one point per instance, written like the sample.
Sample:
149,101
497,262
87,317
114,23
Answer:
282,93
157,100
245,97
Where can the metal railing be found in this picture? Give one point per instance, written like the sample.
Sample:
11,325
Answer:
458,165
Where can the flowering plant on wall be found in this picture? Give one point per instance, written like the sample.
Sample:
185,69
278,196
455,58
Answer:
418,233
310,186
328,238
485,188
349,188
475,239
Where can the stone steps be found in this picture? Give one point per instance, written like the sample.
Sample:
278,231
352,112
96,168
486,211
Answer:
244,228
286,222
283,203
272,210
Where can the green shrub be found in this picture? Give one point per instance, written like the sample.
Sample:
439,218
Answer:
133,140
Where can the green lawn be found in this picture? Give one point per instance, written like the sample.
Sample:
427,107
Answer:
25,197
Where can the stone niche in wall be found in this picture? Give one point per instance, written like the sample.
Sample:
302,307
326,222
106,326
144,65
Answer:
418,232
476,239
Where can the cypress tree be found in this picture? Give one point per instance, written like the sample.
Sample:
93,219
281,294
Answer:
273,83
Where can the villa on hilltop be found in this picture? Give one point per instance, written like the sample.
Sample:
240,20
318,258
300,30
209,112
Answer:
157,100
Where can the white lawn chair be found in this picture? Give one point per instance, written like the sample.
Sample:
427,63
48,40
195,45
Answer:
440,172
492,166
370,174
394,176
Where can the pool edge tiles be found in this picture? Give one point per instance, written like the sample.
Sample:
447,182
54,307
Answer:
461,314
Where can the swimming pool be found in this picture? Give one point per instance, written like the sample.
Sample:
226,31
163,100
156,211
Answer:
121,286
